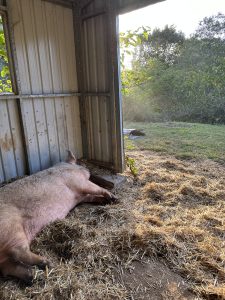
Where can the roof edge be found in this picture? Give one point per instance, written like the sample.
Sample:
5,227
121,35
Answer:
125,6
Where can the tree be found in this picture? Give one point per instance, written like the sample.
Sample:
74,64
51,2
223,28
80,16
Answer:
5,81
173,78
211,28
162,44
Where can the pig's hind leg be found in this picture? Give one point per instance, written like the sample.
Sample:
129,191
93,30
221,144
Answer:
18,270
24,255
19,249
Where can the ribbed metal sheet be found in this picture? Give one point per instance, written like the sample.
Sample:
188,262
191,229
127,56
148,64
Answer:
12,158
97,80
44,39
101,75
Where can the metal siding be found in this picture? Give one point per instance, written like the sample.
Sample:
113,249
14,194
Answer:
97,81
12,158
101,75
44,39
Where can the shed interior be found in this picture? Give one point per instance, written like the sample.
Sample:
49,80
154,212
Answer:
64,66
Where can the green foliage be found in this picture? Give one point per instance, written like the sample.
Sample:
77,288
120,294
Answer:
163,45
211,27
5,81
178,79
130,162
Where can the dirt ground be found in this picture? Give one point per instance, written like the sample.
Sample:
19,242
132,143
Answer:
164,239
153,280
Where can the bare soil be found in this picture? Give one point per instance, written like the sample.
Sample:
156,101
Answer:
154,281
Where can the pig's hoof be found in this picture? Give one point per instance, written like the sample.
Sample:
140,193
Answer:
111,198
43,264
28,279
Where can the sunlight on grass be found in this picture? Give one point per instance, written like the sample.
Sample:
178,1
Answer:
183,140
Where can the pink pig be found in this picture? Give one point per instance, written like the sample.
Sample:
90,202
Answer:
29,204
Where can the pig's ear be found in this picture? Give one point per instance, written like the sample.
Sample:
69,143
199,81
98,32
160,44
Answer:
71,159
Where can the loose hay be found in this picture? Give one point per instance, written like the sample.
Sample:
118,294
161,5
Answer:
174,211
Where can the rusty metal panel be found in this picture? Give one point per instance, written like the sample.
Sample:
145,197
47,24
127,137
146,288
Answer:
12,157
45,51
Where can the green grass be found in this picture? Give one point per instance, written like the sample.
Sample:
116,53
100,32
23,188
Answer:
183,140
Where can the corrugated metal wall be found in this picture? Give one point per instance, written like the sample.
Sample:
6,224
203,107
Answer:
45,52
46,117
12,157
99,61
97,81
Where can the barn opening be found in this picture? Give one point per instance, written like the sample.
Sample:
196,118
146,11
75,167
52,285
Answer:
172,70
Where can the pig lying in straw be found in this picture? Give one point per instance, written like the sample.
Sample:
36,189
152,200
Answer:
29,204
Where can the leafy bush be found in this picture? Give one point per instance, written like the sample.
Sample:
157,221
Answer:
177,79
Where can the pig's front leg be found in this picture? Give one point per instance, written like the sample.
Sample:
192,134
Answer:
95,190
96,200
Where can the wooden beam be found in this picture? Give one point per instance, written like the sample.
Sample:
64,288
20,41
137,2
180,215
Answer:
3,8
86,5
34,96
93,14
65,3
101,181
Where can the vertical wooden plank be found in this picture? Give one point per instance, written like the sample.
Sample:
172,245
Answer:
87,88
2,175
26,55
17,137
70,50
56,74
48,86
61,61
115,89
95,100
71,104
80,67
102,71
43,70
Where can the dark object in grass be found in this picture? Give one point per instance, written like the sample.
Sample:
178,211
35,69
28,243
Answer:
136,132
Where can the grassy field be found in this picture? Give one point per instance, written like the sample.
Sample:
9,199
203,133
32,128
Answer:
183,140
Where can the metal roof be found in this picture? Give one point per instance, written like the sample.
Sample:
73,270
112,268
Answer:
129,5
124,6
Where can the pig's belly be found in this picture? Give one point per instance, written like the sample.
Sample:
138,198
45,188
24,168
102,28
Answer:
48,213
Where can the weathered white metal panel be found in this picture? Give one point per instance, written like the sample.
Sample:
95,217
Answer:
12,158
44,41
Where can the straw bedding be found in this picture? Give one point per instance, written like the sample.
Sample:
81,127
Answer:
172,212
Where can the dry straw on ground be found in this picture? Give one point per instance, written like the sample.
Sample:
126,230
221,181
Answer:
174,211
